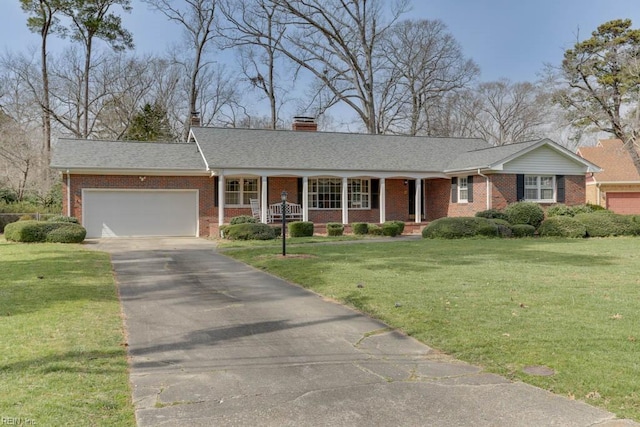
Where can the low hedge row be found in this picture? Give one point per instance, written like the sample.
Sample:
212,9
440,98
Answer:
45,231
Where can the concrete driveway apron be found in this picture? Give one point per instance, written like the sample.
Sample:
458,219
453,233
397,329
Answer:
213,342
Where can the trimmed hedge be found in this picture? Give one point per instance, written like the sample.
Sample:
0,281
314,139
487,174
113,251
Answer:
399,224
300,229
605,223
525,213
523,230
562,226
492,214
564,210
335,229
459,227
360,228
243,219
391,228
504,228
62,218
375,230
44,231
249,231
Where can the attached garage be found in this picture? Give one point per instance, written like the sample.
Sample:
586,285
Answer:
627,203
139,213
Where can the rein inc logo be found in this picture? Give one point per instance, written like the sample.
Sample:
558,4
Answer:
17,421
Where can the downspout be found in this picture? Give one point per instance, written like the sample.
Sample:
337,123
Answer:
486,178
599,194
68,193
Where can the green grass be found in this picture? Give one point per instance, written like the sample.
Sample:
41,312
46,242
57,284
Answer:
571,305
62,359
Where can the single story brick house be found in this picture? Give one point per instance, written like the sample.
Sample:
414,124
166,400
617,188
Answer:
617,186
123,188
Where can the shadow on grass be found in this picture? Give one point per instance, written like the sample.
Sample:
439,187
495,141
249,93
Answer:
77,362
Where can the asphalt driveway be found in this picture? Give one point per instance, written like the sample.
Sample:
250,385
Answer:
213,342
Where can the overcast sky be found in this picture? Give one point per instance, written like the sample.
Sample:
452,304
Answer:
507,38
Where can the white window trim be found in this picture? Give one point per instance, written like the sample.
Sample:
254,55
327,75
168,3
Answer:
241,198
367,193
539,188
460,198
339,193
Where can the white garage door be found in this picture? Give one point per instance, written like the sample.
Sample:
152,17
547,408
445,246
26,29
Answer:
117,213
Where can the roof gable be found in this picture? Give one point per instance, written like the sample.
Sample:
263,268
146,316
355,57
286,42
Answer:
614,160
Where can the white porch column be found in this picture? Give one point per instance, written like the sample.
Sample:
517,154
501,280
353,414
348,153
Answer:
263,200
383,200
221,186
418,198
345,201
305,198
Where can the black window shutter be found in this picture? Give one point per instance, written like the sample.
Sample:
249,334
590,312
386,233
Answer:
454,190
560,189
300,190
375,193
519,187
216,183
470,189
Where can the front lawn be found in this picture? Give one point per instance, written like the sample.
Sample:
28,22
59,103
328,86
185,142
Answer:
505,304
62,354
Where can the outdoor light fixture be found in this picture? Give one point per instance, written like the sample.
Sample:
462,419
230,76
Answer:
283,196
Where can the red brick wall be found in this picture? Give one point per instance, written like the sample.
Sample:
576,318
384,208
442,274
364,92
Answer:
438,198
503,190
397,201
203,184
574,189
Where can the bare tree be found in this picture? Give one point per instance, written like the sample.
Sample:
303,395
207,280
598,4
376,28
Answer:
257,31
43,19
197,19
92,19
425,63
504,112
338,42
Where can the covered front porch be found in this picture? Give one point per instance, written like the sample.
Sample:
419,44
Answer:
322,199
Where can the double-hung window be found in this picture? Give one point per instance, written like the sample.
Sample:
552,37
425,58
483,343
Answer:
326,193
239,191
539,188
463,189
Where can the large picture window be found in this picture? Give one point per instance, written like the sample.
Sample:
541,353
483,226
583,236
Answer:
326,193
239,191
539,188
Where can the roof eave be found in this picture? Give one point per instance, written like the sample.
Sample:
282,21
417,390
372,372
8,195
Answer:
130,171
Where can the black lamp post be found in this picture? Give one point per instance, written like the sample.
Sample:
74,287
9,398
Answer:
283,196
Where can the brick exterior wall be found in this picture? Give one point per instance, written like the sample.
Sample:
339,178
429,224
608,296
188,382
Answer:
207,213
437,193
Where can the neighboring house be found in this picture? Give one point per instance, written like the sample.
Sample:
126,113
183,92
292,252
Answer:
617,186
174,189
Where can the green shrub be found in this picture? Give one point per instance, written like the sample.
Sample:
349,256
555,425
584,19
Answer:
525,213
503,226
390,229
564,210
375,230
360,228
335,229
301,229
67,232
491,214
595,208
7,219
605,223
26,217
522,230
62,218
488,230
459,227
44,231
249,231
400,225
243,219
562,226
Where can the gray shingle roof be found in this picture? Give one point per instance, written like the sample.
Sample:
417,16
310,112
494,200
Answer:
274,149
486,157
95,154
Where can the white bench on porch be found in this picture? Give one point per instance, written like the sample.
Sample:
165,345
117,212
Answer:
293,212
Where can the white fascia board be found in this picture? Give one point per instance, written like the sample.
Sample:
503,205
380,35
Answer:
150,172
317,173
193,137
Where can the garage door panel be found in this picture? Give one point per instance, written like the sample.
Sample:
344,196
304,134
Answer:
140,213
624,203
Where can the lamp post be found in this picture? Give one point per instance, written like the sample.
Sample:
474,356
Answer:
283,196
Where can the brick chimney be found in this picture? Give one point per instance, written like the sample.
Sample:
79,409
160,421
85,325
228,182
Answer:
303,123
195,119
